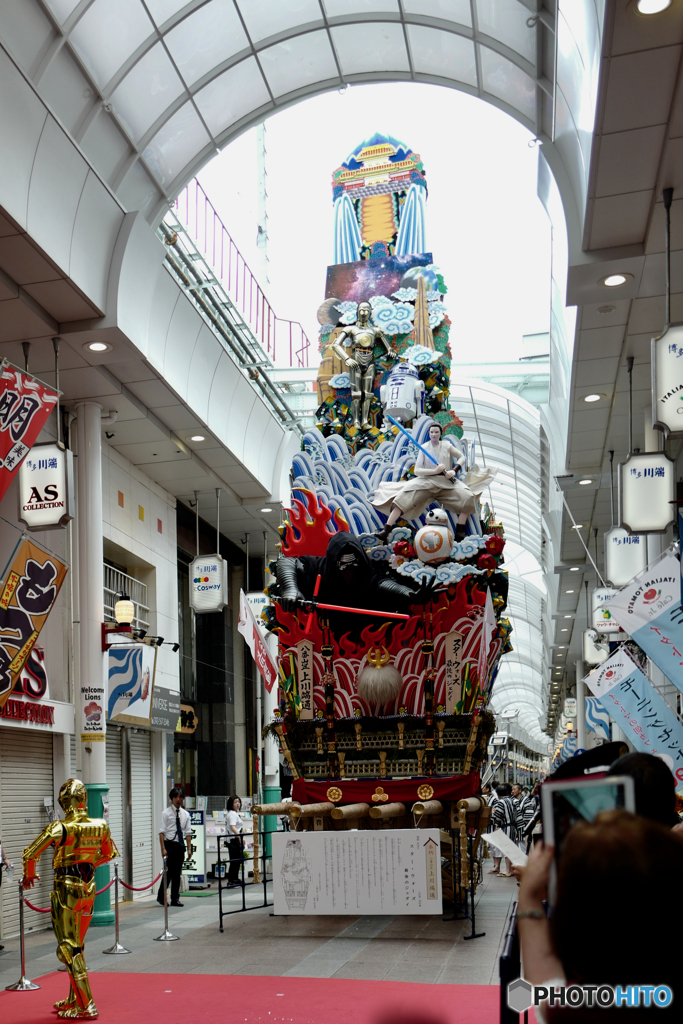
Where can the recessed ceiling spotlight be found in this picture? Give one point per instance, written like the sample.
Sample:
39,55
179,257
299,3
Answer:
97,346
574,568
604,310
583,483
647,7
562,648
266,510
577,526
592,398
615,280
565,630
567,616
197,437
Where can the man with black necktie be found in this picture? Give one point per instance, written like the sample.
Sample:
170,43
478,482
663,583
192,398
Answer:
174,832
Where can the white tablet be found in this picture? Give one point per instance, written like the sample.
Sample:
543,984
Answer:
563,804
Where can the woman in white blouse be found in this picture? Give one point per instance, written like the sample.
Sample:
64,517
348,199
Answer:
235,826
433,482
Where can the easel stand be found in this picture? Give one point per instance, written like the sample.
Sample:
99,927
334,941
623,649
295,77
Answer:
463,895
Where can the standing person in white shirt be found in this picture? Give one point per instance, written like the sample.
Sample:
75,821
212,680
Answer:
175,830
235,826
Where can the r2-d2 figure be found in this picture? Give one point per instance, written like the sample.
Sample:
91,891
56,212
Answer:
403,395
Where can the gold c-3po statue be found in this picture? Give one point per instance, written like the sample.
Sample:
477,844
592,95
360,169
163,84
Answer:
363,337
81,845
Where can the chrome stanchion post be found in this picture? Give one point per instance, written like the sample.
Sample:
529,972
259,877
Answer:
23,985
117,947
166,936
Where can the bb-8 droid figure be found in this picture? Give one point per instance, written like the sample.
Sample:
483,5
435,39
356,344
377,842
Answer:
434,541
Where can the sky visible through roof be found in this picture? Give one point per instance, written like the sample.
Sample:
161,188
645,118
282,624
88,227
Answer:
485,225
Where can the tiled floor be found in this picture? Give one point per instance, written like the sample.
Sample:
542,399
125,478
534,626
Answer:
425,949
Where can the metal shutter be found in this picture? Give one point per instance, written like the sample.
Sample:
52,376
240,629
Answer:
143,826
114,783
25,779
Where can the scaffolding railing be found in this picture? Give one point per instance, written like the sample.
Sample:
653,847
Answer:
195,211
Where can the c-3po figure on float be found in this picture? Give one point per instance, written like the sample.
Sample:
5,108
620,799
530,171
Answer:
362,337
81,845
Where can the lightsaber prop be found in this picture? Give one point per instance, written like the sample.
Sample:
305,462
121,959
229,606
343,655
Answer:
309,623
341,608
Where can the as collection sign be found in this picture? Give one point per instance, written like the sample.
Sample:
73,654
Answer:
46,487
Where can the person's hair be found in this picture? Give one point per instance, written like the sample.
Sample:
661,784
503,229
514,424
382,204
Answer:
504,789
655,789
176,791
616,879
487,785
435,424
230,802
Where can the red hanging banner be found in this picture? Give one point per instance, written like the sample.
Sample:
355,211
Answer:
25,404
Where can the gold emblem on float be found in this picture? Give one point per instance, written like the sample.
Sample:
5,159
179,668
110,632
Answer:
334,794
379,795
425,792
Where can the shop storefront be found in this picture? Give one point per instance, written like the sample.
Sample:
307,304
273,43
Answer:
35,758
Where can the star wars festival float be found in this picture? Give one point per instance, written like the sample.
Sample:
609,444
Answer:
389,592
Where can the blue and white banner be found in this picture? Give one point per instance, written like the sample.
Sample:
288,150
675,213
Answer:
649,610
640,712
131,683
597,719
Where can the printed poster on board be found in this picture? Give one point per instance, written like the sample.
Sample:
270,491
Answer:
649,610
28,596
25,404
130,690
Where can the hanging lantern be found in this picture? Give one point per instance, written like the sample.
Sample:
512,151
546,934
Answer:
625,556
646,485
124,610
667,381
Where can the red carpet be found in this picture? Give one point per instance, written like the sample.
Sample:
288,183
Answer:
235,999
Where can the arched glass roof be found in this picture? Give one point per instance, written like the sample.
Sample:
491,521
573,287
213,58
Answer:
184,78
507,434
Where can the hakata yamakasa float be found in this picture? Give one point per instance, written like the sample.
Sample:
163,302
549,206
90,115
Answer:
388,597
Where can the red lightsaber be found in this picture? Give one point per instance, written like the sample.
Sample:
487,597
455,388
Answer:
341,608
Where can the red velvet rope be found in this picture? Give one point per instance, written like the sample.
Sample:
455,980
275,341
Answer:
141,888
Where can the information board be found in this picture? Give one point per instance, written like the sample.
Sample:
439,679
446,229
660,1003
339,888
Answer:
384,871
195,869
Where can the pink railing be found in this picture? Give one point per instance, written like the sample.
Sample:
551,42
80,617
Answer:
196,212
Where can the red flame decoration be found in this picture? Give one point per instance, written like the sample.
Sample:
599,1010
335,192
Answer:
307,532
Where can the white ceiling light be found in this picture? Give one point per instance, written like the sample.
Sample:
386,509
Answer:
592,398
577,526
266,510
562,648
565,630
97,346
574,568
582,483
197,437
652,6
567,616
570,591
615,280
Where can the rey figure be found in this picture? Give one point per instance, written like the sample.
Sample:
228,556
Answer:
410,498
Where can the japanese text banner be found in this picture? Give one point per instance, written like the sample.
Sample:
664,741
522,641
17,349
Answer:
246,625
27,598
641,713
649,609
25,405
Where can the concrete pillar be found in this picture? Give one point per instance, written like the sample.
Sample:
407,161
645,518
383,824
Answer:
92,662
580,707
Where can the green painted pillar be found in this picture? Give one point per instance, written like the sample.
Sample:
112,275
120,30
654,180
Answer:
271,795
102,911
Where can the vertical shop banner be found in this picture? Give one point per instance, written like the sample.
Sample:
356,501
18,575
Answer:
194,869
131,672
641,713
649,610
248,628
25,405
28,596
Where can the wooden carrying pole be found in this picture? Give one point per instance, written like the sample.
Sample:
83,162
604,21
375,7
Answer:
351,811
388,811
271,809
427,807
310,810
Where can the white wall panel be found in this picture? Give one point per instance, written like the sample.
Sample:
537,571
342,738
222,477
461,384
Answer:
98,222
22,117
183,331
203,364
